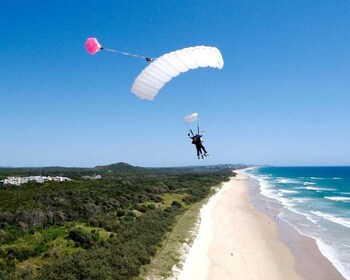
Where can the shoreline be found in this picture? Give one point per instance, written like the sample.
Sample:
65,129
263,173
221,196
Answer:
310,262
236,240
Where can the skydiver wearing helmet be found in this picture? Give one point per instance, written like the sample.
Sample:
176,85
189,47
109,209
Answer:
196,140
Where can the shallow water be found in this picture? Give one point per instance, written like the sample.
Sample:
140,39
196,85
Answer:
315,201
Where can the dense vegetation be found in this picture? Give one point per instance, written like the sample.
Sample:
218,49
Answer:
94,229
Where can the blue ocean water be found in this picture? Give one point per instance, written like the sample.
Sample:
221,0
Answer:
316,202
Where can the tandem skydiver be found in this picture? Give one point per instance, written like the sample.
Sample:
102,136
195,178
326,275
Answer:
196,140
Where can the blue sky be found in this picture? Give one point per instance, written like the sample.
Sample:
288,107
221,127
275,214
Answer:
282,98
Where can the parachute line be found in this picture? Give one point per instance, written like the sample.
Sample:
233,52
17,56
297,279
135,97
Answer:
149,59
93,46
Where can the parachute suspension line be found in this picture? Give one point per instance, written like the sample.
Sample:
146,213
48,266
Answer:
189,129
148,59
197,126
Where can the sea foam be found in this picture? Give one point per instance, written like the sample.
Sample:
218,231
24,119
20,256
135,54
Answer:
338,198
338,220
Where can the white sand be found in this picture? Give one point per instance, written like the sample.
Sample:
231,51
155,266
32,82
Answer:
235,241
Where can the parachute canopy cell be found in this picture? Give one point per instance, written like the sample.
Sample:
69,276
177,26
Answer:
92,46
163,69
191,118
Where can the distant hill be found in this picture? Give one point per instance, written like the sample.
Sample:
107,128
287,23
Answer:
120,167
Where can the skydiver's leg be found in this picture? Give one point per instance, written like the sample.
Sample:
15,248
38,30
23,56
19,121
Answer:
198,151
204,151
203,148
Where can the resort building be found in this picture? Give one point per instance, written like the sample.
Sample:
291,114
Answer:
39,179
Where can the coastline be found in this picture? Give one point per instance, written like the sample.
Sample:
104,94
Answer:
310,262
236,240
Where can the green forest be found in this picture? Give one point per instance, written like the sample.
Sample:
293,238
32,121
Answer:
94,229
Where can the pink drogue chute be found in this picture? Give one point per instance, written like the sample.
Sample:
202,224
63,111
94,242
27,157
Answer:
92,45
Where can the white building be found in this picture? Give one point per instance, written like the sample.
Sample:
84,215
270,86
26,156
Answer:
39,179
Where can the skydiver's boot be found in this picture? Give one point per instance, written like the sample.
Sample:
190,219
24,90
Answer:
202,156
199,157
206,154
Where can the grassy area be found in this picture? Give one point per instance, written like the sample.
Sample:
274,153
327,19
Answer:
171,251
32,250
102,233
169,198
45,246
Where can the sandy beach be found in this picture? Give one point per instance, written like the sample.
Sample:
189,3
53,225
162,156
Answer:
237,241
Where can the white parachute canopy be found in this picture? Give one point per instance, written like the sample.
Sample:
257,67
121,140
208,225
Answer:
163,69
191,118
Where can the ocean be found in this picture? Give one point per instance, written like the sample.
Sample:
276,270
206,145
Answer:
313,200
